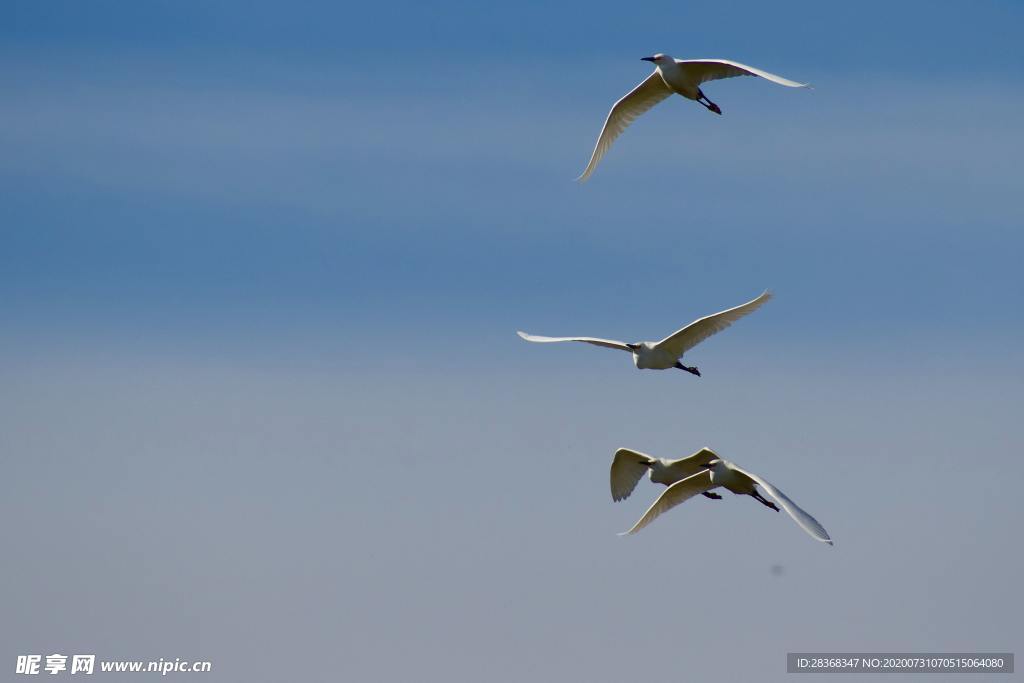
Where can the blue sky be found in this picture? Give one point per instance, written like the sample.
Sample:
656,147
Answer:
280,253
229,164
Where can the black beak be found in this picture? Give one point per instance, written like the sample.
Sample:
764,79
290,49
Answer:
648,59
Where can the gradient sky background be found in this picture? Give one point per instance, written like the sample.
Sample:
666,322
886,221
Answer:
263,403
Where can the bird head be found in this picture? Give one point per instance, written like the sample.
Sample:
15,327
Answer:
711,464
633,347
658,59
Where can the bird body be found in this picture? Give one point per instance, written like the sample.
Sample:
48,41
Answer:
679,76
665,354
648,356
677,79
708,472
629,466
668,472
728,476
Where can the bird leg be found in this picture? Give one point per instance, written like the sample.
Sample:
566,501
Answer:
712,495
711,106
764,501
692,371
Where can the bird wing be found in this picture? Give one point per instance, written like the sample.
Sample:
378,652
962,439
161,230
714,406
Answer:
674,495
638,100
685,339
701,457
682,468
806,522
628,467
609,343
704,70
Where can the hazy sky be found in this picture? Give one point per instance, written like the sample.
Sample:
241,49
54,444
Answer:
263,403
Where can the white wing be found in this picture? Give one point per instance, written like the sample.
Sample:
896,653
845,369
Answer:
704,70
806,522
699,330
695,461
628,467
609,343
674,495
641,98
684,467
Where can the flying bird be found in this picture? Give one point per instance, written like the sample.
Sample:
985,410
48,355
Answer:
718,472
629,466
667,352
679,76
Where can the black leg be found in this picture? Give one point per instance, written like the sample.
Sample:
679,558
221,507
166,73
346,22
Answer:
692,371
764,501
711,106
711,495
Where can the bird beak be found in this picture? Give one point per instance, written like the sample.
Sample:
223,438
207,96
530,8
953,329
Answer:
648,59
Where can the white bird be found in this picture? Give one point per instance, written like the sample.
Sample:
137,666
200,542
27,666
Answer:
718,472
629,466
667,352
679,76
